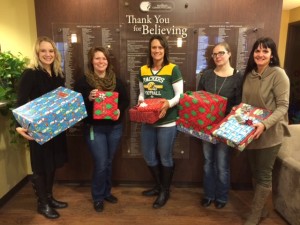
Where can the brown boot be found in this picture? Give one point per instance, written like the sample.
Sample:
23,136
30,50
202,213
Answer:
259,201
265,211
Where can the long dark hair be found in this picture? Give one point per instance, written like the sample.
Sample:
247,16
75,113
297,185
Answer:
164,43
264,42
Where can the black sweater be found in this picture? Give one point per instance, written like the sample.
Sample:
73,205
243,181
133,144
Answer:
52,154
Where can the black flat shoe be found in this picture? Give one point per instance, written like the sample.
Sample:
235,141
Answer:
220,205
53,203
99,206
206,202
111,199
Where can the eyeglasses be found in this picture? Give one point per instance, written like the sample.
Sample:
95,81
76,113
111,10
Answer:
221,53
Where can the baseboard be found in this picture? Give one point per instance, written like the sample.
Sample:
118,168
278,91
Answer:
234,186
14,190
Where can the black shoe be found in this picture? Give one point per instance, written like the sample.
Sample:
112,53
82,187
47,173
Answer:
151,192
56,204
111,199
47,211
220,205
206,202
99,206
161,199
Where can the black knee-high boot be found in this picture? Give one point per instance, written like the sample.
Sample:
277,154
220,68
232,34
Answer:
51,200
39,186
155,171
164,194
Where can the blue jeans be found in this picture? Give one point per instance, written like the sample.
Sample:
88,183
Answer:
216,179
158,140
103,143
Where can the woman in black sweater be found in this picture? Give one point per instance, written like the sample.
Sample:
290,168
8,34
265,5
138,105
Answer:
44,75
102,136
225,81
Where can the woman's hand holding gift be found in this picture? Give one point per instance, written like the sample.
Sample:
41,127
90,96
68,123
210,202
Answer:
93,94
259,129
164,108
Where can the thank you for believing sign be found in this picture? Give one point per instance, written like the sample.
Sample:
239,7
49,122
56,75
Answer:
155,19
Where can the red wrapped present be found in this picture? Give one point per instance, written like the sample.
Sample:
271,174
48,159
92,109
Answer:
236,128
106,105
146,112
199,113
201,109
191,126
151,104
143,116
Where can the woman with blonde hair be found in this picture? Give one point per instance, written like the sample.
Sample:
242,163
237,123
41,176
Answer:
44,75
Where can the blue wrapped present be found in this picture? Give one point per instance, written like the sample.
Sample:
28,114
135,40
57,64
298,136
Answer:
197,134
50,114
236,128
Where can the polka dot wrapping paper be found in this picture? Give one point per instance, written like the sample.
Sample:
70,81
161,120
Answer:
146,112
199,113
106,106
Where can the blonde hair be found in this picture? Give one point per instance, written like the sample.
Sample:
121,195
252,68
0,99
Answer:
36,63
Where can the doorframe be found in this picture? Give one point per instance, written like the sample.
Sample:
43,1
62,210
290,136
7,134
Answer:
291,56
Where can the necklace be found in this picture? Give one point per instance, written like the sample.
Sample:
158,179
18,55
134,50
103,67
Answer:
221,85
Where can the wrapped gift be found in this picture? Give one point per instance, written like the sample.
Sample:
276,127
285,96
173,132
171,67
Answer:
201,109
143,116
199,112
191,126
236,128
50,114
203,135
106,105
146,112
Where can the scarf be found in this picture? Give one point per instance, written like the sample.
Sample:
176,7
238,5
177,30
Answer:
107,83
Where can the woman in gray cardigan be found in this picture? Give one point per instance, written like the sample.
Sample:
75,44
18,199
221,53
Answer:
266,86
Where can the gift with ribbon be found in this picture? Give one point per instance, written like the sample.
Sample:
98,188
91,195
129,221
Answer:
106,105
147,111
236,128
50,114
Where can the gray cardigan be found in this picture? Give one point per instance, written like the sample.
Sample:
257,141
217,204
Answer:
271,90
